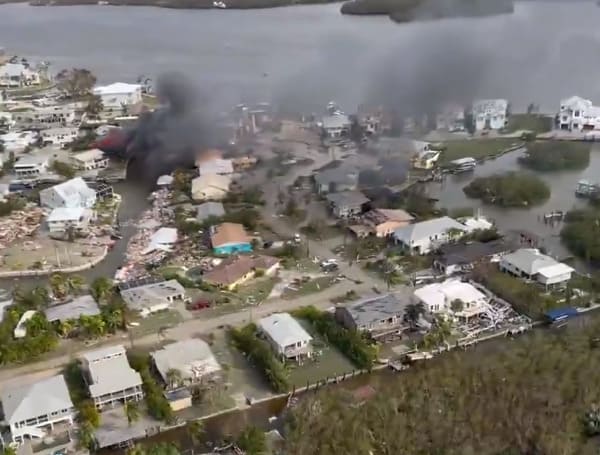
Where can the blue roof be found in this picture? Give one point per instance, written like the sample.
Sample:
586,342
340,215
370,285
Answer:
561,312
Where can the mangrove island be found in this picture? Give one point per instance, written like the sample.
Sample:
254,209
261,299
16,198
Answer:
512,189
556,156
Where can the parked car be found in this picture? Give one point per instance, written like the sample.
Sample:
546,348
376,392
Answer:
198,304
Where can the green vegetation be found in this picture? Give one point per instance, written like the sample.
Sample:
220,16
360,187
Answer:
11,204
512,189
75,83
352,344
581,234
259,352
157,404
475,148
537,391
252,441
526,298
63,169
160,448
87,414
535,123
414,10
252,195
556,156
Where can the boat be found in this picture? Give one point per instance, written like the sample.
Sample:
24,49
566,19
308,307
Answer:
585,188
220,5
460,165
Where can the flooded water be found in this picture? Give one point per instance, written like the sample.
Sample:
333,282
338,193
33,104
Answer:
563,198
304,56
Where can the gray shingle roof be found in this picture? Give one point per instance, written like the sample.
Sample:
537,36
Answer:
84,305
373,309
208,209
347,199
191,357
32,400
339,176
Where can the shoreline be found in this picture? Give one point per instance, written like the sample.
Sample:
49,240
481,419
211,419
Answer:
178,4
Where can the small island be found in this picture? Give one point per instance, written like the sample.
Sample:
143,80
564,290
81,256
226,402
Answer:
556,156
417,10
512,189
581,234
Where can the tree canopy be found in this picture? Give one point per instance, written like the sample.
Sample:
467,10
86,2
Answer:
532,396
76,82
556,156
512,189
581,234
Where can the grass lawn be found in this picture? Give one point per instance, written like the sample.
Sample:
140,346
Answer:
254,292
310,287
323,233
530,122
154,322
475,148
327,362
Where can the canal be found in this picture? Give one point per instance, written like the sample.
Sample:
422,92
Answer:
450,195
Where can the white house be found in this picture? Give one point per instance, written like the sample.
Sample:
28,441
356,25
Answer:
216,166
153,297
31,166
32,410
336,126
70,194
438,298
17,75
286,336
163,239
119,94
192,358
90,159
110,378
530,264
490,114
59,136
451,118
426,236
578,114
47,116
18,141
62,217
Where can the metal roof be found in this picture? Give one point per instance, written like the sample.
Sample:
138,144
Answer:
283,329
80,306
191,357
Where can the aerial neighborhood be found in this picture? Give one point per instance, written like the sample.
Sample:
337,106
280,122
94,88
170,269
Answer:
296,255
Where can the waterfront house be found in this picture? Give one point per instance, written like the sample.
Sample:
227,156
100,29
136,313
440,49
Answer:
490,114
234,271
191,360
578,114
382,317
383,222
109,377
347,203
217,166
163,239
90,159
14,75
148,298
336,126
31,166
210,187
451,118
343,178
426,236
461,257
84,305
374,120
229,238
441,297
530,264
33,410
287,337
73,193
119,95
18,141
209,210
60,136
62,218
48,116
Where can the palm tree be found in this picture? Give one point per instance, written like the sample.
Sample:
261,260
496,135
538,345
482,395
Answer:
58,285
93,326
137,450
113,318
86,436
94,106
101,288
413,312
9,450
132,412
253,441
457,305
173,377
65,328
75,283
196,431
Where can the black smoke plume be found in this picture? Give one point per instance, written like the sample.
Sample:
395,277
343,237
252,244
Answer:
171,136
